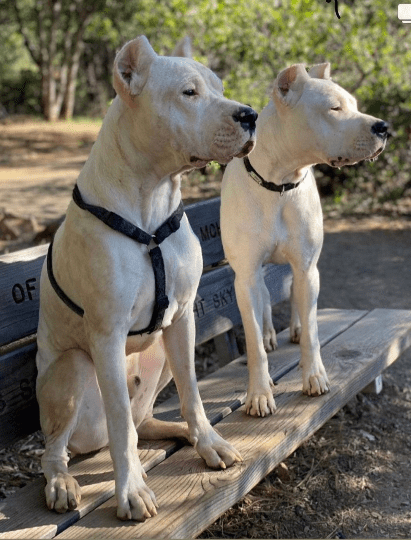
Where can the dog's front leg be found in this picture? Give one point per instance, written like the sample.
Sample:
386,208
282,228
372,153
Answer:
179,345
306,286
134,499
251,302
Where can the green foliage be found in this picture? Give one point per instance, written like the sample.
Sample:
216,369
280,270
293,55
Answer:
247,42
19,81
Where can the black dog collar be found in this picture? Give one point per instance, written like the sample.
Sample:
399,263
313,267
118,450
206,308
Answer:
269,185
119,224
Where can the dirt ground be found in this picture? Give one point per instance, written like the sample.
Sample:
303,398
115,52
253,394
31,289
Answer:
352,479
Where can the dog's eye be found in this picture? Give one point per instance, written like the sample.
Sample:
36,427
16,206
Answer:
336,108
190,92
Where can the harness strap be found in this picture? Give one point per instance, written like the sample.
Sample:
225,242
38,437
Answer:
119,224
59,291
269,185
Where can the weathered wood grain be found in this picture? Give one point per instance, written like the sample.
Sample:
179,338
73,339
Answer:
221,392
27,516
19,293
19,414
217,312
215,307
225,390
20,272
192,497
204,218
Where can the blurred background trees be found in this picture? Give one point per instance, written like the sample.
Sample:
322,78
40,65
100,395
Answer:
56,58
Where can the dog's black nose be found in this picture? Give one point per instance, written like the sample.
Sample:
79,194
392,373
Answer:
247,118
380,129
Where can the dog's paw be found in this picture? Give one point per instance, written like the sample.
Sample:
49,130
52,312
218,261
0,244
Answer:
270,340
260,403
136,501
295,333
62,493
216,452
315,382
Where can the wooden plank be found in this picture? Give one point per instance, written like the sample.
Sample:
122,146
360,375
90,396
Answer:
225,390
215,311
95,475
19,293
204,218
215,308
20,272
191,496
221,392
19,414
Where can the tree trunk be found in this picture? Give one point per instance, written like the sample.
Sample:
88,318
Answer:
50,99
58,59
70,93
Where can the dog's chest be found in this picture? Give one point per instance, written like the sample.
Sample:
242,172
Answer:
181,254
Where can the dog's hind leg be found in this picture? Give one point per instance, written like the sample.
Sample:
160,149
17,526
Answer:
152,429
269,334
295,323
148,427
62,392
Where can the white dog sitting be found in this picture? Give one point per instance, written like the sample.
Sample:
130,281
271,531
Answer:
271,213
117,293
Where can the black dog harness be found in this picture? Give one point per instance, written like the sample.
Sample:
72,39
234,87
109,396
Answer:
269,185
119,224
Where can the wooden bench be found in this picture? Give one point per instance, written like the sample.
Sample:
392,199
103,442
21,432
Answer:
356,347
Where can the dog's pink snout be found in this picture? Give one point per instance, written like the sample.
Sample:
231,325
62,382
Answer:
247,118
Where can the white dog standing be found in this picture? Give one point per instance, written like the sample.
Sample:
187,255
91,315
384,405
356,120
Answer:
116,313
271,213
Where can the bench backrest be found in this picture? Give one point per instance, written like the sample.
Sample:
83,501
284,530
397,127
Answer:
215,312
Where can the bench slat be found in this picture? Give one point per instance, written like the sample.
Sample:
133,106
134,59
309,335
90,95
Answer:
20,272
19,293
215,307
215,311
221,392
191,497
225,389
204,218
19,413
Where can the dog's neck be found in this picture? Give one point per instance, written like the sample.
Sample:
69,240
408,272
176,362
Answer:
274,156
124,175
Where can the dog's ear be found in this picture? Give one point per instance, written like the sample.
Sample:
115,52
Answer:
320,71
131,68
289,84
183,48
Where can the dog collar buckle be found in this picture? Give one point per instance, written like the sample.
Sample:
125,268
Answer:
255,177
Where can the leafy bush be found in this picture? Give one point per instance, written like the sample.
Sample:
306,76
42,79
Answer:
247,42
